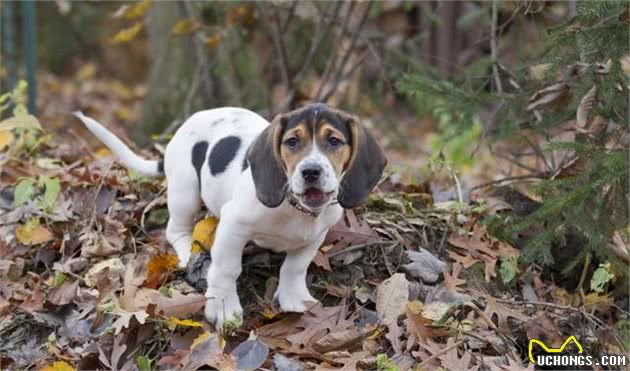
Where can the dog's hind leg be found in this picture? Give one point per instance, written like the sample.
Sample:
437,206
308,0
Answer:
184,202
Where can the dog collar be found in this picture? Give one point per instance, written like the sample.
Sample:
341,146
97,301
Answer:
298,206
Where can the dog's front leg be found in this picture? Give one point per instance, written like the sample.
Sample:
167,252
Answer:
292,293
223,303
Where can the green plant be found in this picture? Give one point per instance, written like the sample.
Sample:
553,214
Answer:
583,87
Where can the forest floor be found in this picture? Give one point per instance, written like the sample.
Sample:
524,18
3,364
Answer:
405,282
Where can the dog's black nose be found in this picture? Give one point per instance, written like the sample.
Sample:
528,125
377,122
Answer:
311,174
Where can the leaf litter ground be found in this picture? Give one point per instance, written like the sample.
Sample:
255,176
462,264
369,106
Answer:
89,282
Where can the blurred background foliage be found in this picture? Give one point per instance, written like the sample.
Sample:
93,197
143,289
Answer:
471,94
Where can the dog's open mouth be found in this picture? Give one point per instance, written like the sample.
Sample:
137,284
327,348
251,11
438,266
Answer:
315,198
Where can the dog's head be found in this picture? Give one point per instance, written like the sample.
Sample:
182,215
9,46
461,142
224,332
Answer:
318,154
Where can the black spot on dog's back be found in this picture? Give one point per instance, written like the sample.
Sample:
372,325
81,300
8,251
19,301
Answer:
198,157
223,153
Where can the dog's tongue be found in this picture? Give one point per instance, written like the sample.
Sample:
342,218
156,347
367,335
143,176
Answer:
314,196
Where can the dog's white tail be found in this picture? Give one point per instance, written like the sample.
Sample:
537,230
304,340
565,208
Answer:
125,155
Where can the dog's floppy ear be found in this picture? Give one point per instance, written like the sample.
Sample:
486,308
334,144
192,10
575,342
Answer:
268,173
365,166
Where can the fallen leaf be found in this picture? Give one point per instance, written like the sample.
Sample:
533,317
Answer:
480,246
128,34
392,296
283,363
135,11
58,366
348,231
342,339
250,354
158,268
394,332
502,312
33,233
174,322
452,362
124,319
6,137
424,265
584,110
24,191
63,294
21,122
112,268
203,234
185,27
299,333
207,350
180,305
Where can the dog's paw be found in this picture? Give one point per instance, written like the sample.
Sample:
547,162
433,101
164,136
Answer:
223,308
294,301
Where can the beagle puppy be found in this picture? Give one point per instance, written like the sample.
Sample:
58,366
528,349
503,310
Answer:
280,185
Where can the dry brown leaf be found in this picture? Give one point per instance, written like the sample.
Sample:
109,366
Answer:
452,362
341,339
480,246
452,280
550,96
349,231
392,296
299,333
180,305
158,268
207,350
584,109
394,332
29,234
112,268
502,312
125,317
63,294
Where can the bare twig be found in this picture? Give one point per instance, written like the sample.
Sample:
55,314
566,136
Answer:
321,34
357,247
493,47
274,35
344,61
510,179
333,61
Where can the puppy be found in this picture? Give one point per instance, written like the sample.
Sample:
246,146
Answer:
280,185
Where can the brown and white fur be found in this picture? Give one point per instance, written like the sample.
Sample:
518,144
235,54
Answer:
280,185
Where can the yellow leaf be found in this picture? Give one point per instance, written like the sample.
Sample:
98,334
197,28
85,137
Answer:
103,153
6,137
58,366
174,322
22,122
127,34
159,267
87,71
185,27
203,234
200,339
212,41
137,10
33,233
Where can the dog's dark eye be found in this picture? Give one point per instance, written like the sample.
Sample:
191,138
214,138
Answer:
292,142
334,142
